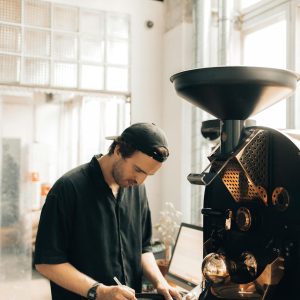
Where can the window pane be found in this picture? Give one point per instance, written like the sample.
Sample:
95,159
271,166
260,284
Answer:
266,47
92,23
65,75
36,42
105,115
65,46
92,50
65,18
37,13
117,52
117,79
10,38
91,124
275,116
92,77
247,3
36,71
117,26
116,118
10,11
9,68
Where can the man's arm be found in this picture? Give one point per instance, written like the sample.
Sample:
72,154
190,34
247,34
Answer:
152,273
68,277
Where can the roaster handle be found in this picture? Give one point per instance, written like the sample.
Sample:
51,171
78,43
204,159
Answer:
206,177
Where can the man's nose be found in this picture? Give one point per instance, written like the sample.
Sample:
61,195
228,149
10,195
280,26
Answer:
140,178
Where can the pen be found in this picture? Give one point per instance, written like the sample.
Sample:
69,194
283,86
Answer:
117,281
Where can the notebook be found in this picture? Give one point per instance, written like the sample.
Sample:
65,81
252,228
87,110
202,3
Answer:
187,256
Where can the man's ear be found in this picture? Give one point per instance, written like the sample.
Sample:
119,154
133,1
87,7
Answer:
117,150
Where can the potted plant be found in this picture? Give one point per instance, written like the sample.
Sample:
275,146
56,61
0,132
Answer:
167,229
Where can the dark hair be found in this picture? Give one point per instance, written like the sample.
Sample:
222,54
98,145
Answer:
127,150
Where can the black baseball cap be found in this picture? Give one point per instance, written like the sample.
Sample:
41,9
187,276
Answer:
147,138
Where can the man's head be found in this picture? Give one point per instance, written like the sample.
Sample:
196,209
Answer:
145,137
138,152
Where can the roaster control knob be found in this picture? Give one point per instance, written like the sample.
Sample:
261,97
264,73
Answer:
243,219
214,268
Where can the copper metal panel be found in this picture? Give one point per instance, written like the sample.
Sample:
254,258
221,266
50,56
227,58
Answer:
237,182
246,174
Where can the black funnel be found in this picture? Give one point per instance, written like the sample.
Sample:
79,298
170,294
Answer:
234,93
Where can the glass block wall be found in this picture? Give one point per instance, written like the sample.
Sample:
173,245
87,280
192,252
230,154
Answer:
60,46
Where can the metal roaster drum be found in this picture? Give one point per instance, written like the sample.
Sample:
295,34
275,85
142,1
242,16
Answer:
252,196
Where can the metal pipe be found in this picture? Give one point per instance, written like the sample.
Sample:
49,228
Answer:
230,135
225,8
202,16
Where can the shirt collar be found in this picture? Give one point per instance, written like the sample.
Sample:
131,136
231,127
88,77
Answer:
98,176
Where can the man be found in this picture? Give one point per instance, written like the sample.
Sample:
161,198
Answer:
96,223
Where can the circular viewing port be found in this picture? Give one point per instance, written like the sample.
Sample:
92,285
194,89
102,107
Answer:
243,219
280,199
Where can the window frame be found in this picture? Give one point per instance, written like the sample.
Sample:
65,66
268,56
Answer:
263,14
50,30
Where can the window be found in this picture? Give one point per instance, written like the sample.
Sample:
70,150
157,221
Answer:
247,3
100,119
264,43
52,45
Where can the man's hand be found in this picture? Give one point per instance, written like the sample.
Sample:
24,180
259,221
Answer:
168,291
115,292
153,274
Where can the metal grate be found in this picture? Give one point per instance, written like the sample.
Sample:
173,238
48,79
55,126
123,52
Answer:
237,183
255,159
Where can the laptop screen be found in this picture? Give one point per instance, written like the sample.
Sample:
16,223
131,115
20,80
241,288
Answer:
186,261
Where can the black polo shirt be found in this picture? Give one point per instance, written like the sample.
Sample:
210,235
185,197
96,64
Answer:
82,223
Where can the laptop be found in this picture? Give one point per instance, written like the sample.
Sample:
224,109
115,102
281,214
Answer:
185,267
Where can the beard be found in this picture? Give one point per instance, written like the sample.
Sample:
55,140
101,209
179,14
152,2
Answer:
119,176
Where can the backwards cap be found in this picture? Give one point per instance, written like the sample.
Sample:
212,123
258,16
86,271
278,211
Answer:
147,138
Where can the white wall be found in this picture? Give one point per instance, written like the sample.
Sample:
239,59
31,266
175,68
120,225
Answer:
178,56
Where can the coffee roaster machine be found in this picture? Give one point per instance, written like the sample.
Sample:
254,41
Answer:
252,185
